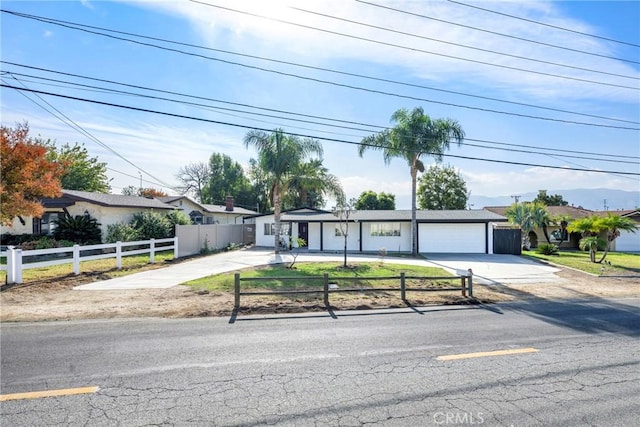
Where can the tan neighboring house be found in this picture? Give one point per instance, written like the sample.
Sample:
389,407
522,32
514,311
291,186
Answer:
627,241
209,214
107,209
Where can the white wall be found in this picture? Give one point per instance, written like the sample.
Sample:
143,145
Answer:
336,243
628,242
400,243
314,236
191,238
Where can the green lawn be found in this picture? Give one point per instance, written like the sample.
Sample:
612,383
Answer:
621,263
130,264
345,278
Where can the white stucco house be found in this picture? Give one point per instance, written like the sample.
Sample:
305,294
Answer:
451,231
201,213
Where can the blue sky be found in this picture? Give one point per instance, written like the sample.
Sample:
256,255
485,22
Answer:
157,146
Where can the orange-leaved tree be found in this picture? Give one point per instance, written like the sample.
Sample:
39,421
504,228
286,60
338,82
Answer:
26,174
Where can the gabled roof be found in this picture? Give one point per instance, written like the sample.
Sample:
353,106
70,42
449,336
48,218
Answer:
317,215
571,211
113,200
633,214
221,209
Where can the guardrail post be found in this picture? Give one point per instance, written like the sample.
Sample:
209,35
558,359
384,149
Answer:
175,248
76,259
118,255
236,279
152,251
470,281
325,282
403,287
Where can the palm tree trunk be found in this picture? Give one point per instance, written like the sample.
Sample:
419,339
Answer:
276,218
414,222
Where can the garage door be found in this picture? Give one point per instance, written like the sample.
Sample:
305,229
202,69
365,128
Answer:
452,238
628,242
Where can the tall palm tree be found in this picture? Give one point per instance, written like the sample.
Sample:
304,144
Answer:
309,182
279,155
529,215
414,135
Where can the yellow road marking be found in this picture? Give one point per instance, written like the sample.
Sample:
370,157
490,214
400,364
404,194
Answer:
48,393
487,354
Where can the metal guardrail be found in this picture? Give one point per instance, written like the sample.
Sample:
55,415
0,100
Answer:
15,256
465,276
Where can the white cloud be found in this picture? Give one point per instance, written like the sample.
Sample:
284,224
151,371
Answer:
86,4
47,34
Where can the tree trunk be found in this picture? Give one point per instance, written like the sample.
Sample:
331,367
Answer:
414,223
276,218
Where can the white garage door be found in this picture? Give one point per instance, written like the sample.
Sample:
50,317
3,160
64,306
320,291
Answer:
628,242
452,238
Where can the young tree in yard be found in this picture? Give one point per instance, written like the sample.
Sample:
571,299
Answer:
441,188
279,155
344,210
591,227
27,175
370,200
81,172
563,221
193,179
414,135
528,216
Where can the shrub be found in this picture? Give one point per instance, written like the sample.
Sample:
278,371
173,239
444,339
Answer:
151,225
178,217
547,249
121,233
17,239
80,229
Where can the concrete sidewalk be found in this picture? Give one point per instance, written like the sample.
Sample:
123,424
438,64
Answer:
487,269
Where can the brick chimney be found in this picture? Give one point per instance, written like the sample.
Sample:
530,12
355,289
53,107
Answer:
229,204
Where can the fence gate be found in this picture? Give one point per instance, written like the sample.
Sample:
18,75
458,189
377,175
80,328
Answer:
249,234
507,241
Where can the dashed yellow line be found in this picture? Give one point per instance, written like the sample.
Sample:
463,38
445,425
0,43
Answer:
487,354
48,393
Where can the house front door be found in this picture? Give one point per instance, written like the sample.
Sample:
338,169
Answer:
303,232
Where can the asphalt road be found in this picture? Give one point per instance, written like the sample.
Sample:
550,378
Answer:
571,363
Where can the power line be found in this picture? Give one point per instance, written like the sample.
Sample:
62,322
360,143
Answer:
200,119
105,90
328,82
524,58
545,24
497,33
351,36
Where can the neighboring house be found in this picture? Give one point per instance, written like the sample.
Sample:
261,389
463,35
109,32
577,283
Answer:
627,241
456,231
107,209
209,214
536,236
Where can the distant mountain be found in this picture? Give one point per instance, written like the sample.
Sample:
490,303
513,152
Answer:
592,199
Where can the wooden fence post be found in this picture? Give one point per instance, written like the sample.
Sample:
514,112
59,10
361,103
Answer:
403,287
236,280
463,285
175,248
13,265
470,281
325,281
76,259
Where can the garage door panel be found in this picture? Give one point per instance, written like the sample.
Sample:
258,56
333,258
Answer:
452,238
628,242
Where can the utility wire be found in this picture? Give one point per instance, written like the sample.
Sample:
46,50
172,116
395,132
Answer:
545,24
69,122
525,58
105,90
351,36
497,33
200,119
66,24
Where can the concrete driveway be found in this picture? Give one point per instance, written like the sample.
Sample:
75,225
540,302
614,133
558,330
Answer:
487,269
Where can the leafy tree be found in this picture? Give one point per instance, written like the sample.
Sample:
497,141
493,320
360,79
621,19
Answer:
81,172
414,135
547,200
132,190
27,174
528,216
441,188
310,182
227,178
370,200
593,226
279,155
343,211
193,179
81,229
151,225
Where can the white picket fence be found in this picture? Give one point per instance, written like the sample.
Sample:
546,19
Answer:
15,264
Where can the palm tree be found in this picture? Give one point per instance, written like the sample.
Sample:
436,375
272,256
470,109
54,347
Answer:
414,135
309,182
279,155
529,216
591,227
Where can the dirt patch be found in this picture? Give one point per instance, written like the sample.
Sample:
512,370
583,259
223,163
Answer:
55,299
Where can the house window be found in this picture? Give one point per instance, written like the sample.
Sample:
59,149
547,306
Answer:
269,229
385,229
47,224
